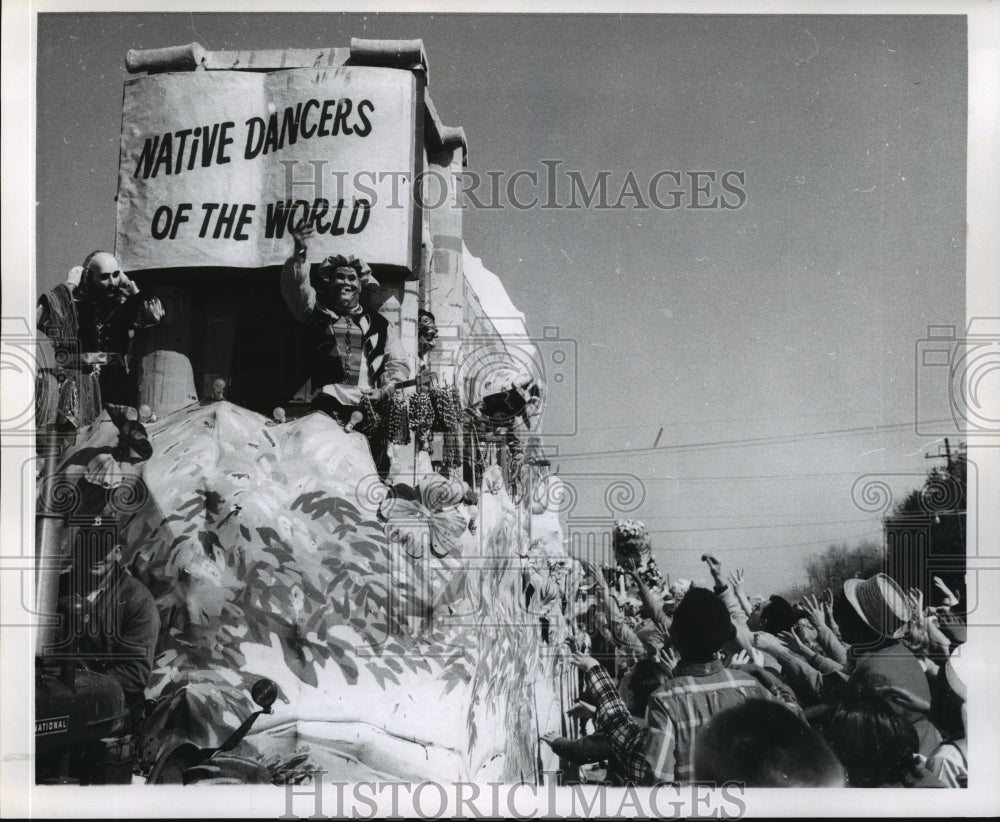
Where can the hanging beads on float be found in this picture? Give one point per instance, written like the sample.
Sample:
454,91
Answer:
397,419
451,452
445,413
487,454
422,419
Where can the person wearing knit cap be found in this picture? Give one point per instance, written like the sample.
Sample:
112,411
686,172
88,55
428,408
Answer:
663,751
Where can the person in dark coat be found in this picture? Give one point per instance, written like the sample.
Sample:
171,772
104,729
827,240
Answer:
90,326
113,623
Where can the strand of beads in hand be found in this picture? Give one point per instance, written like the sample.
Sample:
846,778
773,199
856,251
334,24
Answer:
371,419
422,419
397,419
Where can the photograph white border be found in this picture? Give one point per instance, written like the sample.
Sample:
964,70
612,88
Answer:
19,796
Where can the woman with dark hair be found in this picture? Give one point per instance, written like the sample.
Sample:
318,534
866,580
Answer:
949,762
877,745
777,615
762,744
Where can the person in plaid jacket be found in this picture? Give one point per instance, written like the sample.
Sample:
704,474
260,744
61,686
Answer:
662,752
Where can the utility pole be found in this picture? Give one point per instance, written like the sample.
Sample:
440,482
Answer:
946,456
954,475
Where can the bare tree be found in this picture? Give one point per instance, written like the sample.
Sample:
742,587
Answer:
840,561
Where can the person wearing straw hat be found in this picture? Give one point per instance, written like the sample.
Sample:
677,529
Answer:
873,614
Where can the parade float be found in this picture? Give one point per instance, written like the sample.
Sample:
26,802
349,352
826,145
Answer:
413,628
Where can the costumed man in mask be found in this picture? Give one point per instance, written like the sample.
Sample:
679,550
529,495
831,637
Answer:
498,416
355,358
427,333
90,322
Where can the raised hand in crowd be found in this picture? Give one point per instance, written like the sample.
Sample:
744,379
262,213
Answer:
630,565
591,570
743,657
600,583
768,642
736,583
582,710
620,631
915,597
715,567
601,589
582,662
813,609
950,598
827,599
795,644
819,611
652,601
668,659
938,645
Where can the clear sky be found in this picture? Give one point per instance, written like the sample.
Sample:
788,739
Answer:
788,320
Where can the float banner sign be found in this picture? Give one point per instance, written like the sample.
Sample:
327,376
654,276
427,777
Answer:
215,166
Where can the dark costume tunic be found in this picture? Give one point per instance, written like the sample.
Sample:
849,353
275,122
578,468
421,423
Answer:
91,344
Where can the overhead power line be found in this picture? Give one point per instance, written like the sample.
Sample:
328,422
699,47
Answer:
780,439
741,477
722,552
759,527
632,425
769,516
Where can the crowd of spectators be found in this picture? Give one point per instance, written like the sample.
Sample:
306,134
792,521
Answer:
861,687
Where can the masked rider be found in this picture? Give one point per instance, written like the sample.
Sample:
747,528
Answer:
355,351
